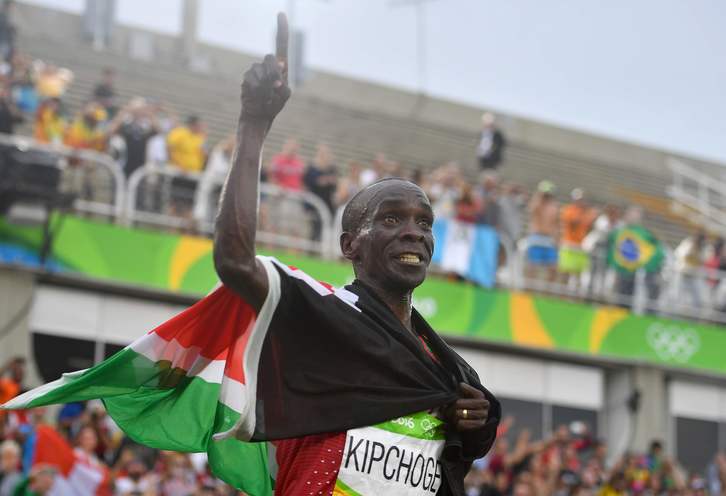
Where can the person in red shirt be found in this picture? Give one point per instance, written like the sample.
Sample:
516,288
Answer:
287,168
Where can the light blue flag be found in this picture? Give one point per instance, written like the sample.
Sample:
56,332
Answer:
469,250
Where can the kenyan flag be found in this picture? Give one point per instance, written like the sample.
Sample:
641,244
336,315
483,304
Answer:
178,389
218,377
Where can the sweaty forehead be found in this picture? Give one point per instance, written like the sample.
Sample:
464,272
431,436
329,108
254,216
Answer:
395,192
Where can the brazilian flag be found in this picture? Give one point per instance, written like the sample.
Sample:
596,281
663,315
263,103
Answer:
634,247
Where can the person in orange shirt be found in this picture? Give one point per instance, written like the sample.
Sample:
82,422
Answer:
11,379
576,219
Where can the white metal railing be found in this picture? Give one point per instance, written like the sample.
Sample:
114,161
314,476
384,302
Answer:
286,216
80,166
697,195
693,293
145,197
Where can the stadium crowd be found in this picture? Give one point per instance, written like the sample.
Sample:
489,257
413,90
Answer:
564,245
570,461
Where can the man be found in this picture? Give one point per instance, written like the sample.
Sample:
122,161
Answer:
541,242
491,143
576,221
287,168
9,467
186,145
387,237
187,152
135,124
104,93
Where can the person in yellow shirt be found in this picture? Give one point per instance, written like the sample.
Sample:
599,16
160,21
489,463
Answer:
50,126
186,145
187,152
85,132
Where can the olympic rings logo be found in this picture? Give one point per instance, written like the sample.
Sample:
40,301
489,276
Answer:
673,343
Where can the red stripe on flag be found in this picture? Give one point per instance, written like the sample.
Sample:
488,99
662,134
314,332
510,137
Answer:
52,449
212,324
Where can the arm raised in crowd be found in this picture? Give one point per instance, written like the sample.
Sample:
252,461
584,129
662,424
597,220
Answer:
264,93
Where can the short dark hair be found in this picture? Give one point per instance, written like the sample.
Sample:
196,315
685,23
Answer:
356,207
193,119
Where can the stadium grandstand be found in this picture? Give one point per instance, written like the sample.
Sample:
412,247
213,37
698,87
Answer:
582,277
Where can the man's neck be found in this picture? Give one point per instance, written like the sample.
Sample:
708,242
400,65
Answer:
400,303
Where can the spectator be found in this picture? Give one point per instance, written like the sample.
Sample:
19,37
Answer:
467,207
511,204
715,266
85,132
286,171
104,93
576,220
50,126
9,113
212,179
689,257
186,145
488,201
349,184
321,179
39,482
177,478
595,245
321,176
23,87
491,146
443,188
9,467
52,81
286,168
157,152
11,379
187,153
378,170
8,31
135,124
541,244
135,480
625,280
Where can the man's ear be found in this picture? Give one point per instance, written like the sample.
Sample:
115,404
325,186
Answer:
349,245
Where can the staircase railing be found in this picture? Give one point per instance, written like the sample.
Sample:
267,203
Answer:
698,196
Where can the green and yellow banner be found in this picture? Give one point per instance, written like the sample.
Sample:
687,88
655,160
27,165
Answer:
184,264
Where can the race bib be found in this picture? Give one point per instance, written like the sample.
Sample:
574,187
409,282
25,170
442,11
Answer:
395,458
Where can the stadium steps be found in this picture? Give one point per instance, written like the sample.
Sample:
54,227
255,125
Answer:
352,133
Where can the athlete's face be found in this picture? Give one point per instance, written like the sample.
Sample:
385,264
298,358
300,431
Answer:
394,246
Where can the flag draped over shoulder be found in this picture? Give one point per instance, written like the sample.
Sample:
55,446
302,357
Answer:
218,375
635,247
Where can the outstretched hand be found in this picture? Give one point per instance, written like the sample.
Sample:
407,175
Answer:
264,87
470,412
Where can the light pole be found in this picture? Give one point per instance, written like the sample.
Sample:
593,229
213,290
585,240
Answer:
420,38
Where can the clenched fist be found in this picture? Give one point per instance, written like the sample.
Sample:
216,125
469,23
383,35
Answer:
264,87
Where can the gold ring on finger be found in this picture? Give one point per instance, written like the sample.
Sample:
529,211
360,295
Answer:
465,413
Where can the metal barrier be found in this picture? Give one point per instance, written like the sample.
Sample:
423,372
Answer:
165,196
669,292
82,172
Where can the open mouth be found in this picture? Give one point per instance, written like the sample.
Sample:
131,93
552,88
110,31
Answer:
409,259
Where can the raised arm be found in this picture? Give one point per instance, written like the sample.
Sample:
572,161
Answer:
264,93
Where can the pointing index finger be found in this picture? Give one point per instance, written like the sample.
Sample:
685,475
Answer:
281,40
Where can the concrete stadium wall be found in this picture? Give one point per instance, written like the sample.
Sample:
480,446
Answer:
369,97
